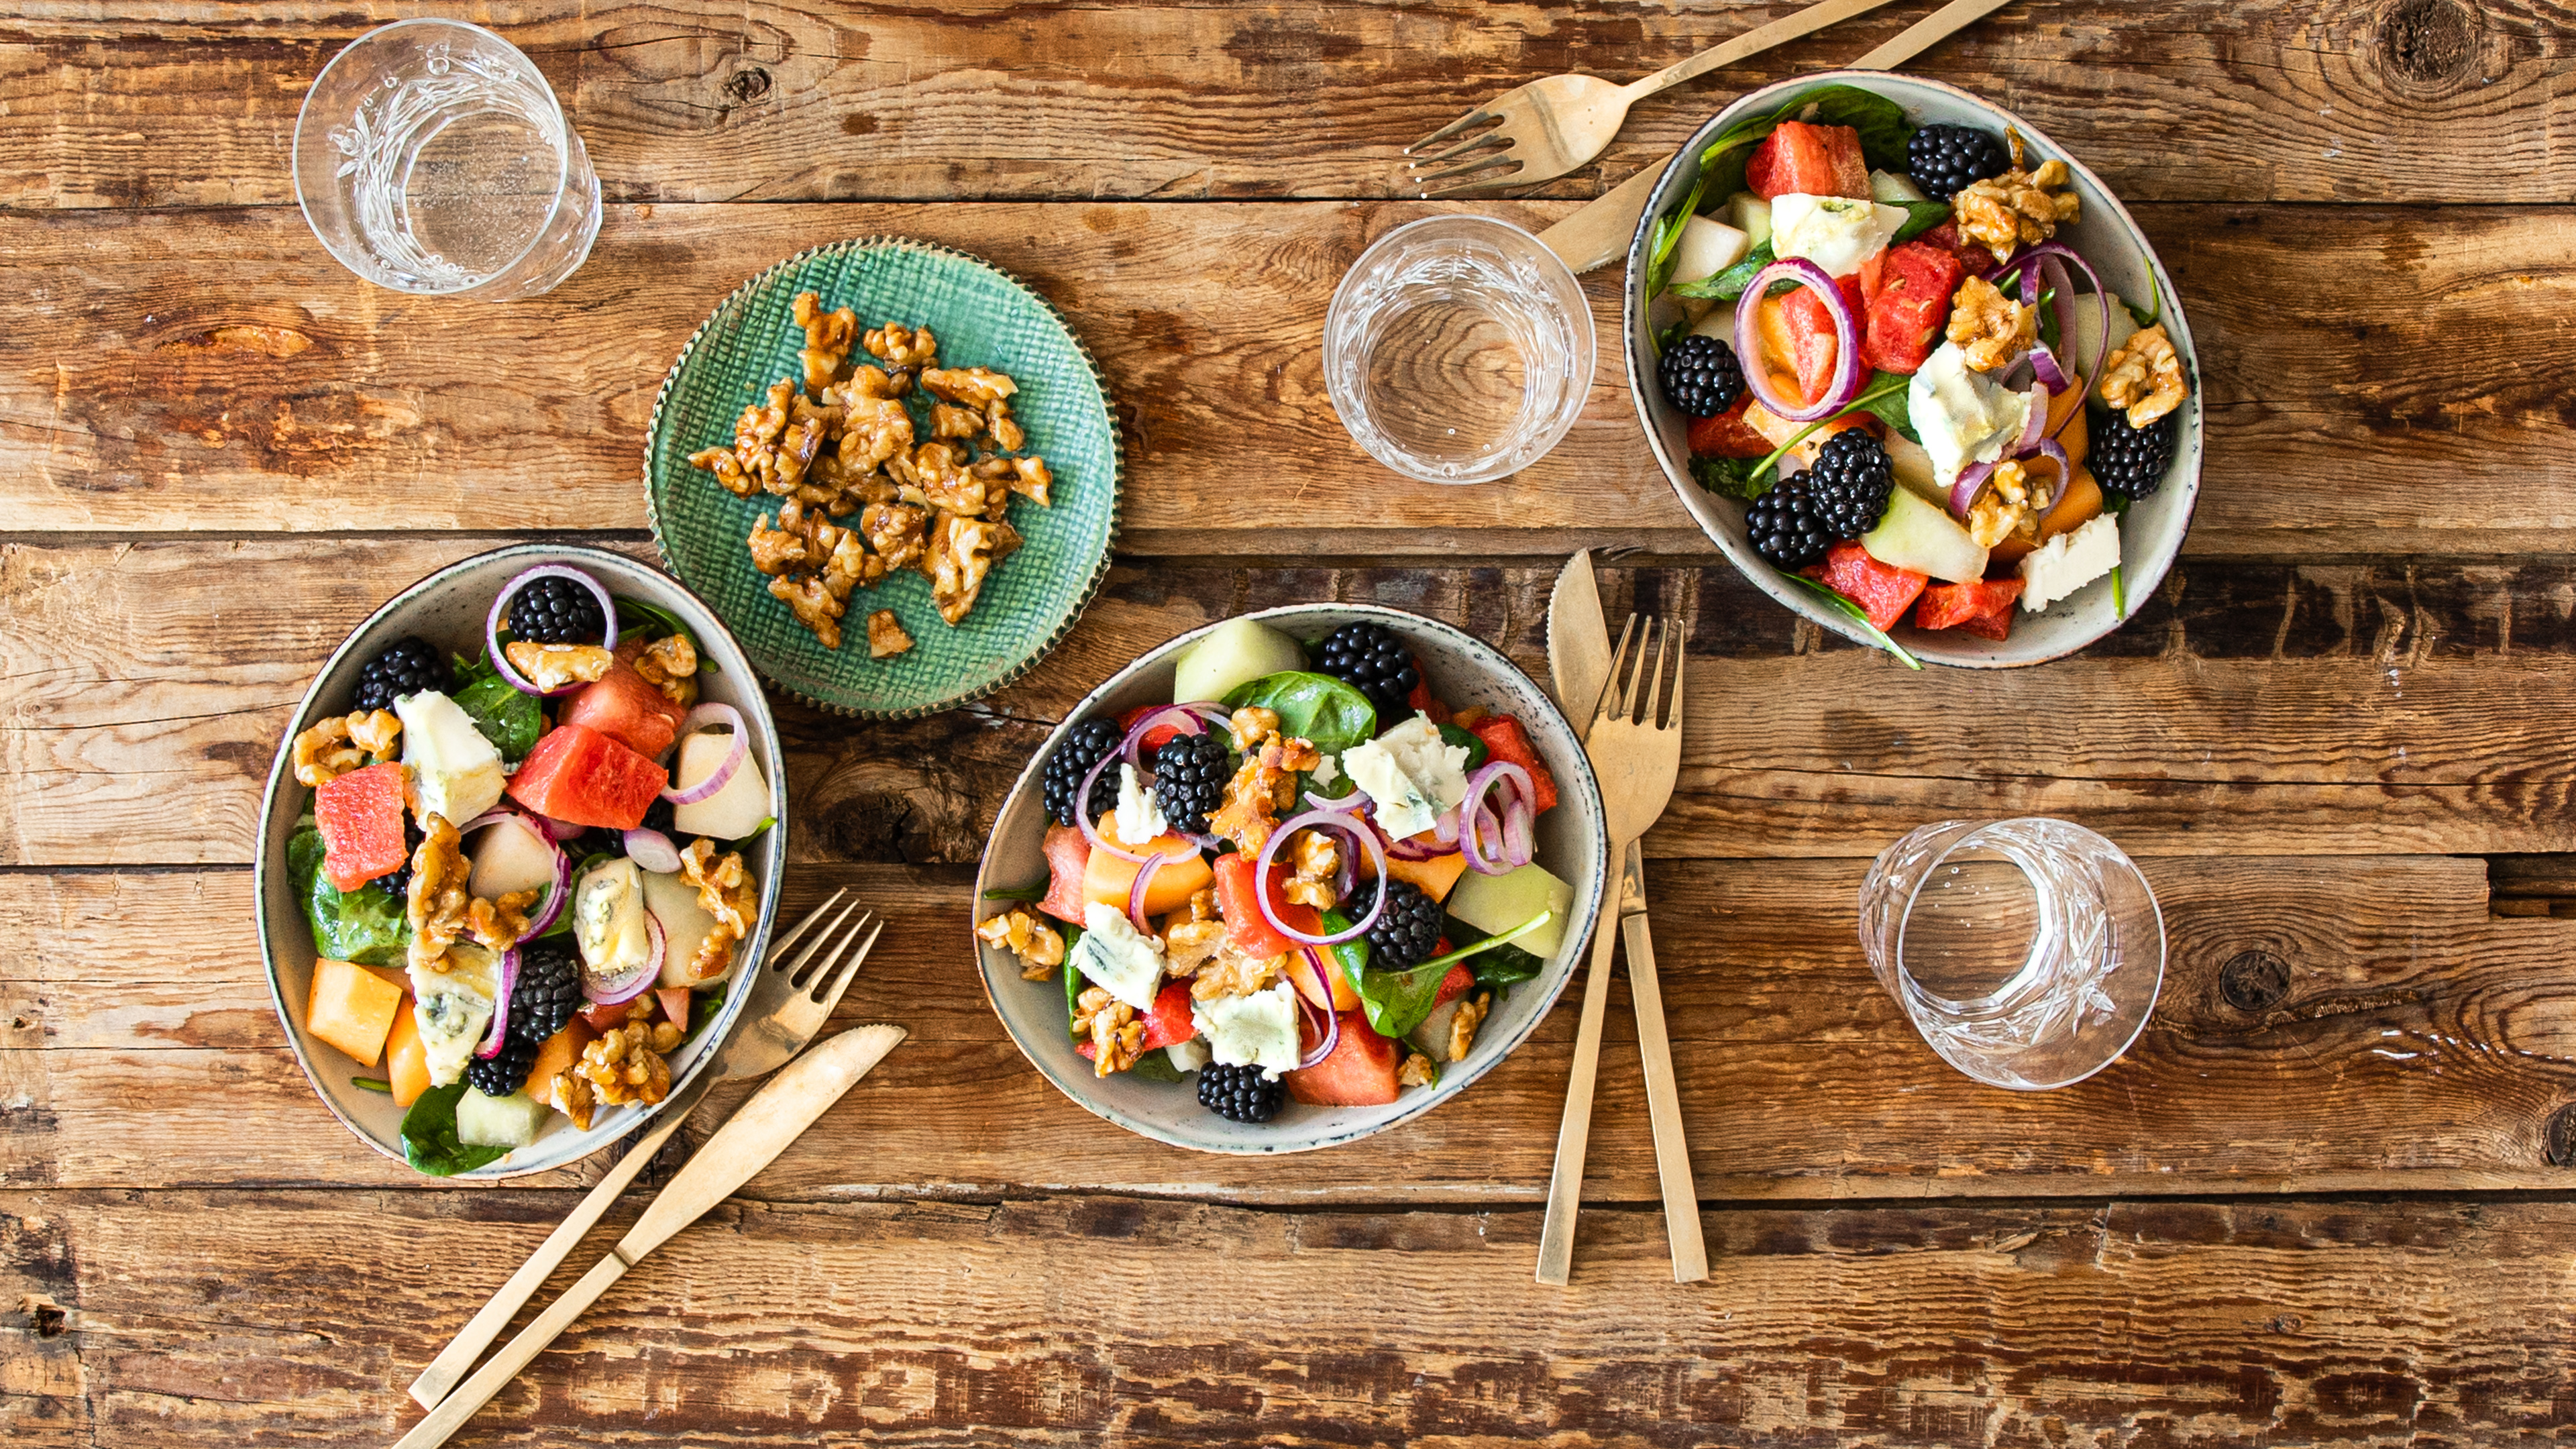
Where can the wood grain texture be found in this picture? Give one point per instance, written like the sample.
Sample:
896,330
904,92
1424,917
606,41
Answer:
216,369
2407,1041
1052,1322
2263,708
2279,100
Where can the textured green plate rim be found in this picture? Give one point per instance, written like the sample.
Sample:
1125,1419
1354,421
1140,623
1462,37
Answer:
1073,608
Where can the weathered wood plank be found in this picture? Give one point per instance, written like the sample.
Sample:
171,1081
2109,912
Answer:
2345,708
2405,1041
1055,1322
217,367
2288,100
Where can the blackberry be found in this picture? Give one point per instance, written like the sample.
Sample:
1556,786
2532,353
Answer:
1373,661
1701,376
1850,483
1090,742
1786,525
507,1072
549,989
1945,159
1240,1094
1406,933
663,816
409,665
1190,775
399,879
556,610
2127,461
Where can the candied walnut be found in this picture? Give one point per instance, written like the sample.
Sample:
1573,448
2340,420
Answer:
1031,480
1202,905
961,552
1188,945
1251,725
2008,212
569,1090
1228,971
995,476
1313,859
813,606
935,476
776,551
552,666
1117,1037
334,747
1463,1024
502,924
376,731
1001,430
947,420
437,902
2006,507
973,387
875,427
827,338
1264,786
728,470
1039,946
1417,1071
848,566
2145,377
886,637
899,346
626,1065
724,892
670,664
894,530
1991,328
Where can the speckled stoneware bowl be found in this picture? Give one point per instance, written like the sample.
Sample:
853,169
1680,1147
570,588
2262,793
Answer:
449,608
2151,532
1464,671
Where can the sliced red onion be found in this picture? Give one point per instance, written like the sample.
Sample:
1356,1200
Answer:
1519,843
691,723
551,902
2035,426
1136,892
1180,717
1848,372
1329,1035
559,829
1972,479
1444,828
2058,255
2051,449
500,1030
1351,801
1270,850
501,607
1407,849
631,985
652,850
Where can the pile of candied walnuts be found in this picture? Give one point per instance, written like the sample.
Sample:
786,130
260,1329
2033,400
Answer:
845,442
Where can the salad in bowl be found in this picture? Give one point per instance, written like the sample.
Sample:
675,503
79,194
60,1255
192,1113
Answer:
1914,370
1291,879
519,843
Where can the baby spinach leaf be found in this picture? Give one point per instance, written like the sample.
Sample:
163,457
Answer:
1728,285
1019,893
429,1139
1073,980
1884,131
1397,1001
1476,752
1316,708
510,720
1155,1066
1920,217
1502,965
1884,397
367,925
1742,479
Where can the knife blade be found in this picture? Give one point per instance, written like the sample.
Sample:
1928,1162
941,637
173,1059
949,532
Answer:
1600,231
1578,642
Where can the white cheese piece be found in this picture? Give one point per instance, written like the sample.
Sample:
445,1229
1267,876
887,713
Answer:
1140,820
1963,415
453,1007
2069,561
1837,233
1118,958
1412,776
1325,772
608,919
1256,1030
1187,1056
455,772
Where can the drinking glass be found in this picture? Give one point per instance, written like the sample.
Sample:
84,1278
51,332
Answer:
2027,952
1458,349
431,157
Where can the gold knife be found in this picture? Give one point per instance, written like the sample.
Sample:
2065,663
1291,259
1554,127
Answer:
776,1115
1578,642
1601,231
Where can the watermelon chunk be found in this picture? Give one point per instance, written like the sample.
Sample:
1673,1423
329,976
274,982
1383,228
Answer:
1154,739
1250,931
1728,435
1068,856
578,775
622,706
1360,1071
360,815
1505,741
1983,607
1813,348
1809,160
1883,592
1906,314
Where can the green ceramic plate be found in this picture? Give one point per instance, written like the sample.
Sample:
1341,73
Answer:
983,316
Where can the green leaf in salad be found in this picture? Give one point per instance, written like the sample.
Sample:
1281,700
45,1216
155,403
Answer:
1664,254
1728,285
1842,603
367,925
1454,735
1884,398
1019,893
1073,977
1155,1066
510,720
1398,1001
1736,478
429,1139
1317,708
2115,504
1501,966
1884,131
2146,316
1733,478
1920,217
372,1084
651,621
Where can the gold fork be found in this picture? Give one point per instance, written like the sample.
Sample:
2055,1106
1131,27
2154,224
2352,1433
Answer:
1542,130
788,1005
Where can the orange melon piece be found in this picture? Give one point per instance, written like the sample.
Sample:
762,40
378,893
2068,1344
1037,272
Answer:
1333,992
2082,501
1435,877
1108,879
406,1062
556,1053
352,1008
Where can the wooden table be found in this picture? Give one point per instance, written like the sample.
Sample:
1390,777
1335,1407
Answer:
2328,1195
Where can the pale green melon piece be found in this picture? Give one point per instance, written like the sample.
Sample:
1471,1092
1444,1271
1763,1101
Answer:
1236,652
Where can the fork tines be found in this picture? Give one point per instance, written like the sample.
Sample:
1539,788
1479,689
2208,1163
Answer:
1483,148
824,982
1622,698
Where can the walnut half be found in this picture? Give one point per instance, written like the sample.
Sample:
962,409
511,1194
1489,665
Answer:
2145,377
1991,328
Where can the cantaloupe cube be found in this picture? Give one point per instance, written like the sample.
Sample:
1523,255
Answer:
406,1060
1108,879
556,1053
352,1008
1436,876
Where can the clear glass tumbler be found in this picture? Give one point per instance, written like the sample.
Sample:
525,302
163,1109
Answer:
431,157
1458,349
2027,952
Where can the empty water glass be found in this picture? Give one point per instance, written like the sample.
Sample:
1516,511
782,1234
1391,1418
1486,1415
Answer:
431,157
2027,952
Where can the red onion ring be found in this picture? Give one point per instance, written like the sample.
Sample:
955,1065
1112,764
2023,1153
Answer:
500,1029
1181,717
559,829
2060,255
652,850
1404,849
2050,448
2036,425
611,992
1972,479
501,607
1351,801
552,901
1848,374
1136,892
1329,1035
691,723
1261,880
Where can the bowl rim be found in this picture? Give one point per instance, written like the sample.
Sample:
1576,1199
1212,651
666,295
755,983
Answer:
1590,891
270,857
2194,445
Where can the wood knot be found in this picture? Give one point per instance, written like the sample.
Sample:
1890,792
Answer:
2429,42
2254,981
47,1317
746,85
2558,1140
